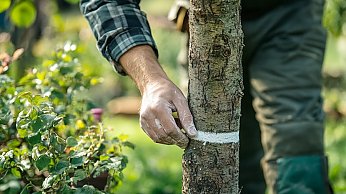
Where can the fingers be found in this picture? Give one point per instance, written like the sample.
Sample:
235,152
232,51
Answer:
172,130
185,117
158,102
146,128
161,128
154,131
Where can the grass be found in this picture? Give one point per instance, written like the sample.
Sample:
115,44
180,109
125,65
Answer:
154,169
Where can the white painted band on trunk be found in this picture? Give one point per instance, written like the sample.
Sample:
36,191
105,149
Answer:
232,137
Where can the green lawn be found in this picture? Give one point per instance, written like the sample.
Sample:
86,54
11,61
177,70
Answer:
156,168
152,168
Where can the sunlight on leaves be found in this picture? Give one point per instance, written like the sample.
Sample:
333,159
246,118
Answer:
4,5
23,14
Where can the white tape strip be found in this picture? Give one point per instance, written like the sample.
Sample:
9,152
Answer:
232,137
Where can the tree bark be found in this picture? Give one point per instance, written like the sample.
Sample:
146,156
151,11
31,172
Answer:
211,161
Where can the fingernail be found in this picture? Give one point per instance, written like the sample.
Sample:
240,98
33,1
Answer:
193,130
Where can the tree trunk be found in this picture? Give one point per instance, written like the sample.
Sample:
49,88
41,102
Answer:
211,161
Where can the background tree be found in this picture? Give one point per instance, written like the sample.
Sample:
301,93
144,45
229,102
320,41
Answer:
211,161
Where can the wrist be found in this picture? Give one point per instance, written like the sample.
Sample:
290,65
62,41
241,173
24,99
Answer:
151,83
141,64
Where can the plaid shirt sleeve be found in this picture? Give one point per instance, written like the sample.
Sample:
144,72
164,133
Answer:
118,25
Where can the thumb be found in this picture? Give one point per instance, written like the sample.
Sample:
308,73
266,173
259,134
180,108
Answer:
186,119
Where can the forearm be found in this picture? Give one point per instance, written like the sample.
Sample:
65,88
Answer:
118,26
124,38
141,64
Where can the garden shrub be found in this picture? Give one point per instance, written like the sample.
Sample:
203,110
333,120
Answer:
49,140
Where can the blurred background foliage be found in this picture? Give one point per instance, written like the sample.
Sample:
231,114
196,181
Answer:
156,168
335,17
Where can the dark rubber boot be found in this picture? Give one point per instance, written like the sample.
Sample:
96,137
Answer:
303,175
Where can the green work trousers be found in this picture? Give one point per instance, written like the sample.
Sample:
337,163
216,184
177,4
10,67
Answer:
282,105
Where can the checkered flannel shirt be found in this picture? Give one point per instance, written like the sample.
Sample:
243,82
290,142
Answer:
118,25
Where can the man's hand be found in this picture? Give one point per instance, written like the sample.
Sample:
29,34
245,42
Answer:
160,97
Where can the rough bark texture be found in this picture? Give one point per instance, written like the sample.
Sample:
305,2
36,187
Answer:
215,91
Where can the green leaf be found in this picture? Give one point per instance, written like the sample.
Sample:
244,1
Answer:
41,75
37,125
13,143
22,133
67,190
78,161
79,175
42,162
71,142
27,79
5,117
56,121
16,172
129,144
61,166
25,95
37,100
57,94
79,76
23,14
104,157
34,139
44,122
71,153
48,119
57,143
87,189
66,69
26,189
3,173
4,5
